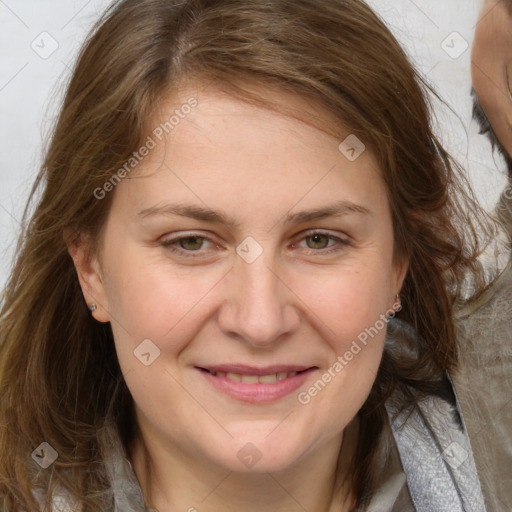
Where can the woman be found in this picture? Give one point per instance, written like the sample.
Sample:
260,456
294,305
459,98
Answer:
237,200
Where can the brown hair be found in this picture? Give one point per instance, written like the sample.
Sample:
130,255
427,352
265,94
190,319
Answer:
58,368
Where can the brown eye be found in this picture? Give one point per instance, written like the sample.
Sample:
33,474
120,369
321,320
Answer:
322,244
318,241
191,243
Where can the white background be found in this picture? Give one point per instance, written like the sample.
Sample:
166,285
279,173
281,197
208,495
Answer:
31,87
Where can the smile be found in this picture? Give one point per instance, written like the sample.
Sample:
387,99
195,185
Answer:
254,379
256,385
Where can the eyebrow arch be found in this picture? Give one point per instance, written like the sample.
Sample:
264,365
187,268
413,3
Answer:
337,209
204,214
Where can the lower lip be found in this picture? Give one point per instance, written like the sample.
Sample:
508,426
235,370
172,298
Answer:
260,392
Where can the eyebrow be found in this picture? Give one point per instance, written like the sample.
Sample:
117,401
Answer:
340,208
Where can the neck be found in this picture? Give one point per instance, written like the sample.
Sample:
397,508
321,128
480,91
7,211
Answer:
172,479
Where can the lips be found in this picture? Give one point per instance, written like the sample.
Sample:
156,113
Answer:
255,385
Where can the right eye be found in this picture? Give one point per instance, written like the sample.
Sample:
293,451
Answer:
188,244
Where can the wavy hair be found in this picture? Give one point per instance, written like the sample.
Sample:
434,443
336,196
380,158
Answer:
59,373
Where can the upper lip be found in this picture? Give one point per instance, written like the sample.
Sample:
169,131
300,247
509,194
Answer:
243,369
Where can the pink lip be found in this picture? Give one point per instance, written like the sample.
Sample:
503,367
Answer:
260,392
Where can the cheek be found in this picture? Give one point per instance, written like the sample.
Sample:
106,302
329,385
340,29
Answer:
346,303
149,293
352,321
153,300
348,309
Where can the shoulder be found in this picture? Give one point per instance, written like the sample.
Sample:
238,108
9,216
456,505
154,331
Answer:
434,446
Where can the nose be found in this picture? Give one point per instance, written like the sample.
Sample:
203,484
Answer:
259,307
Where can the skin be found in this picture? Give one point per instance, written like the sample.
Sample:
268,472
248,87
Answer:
491,67
295,304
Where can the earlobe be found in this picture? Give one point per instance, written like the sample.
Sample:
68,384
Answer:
89,275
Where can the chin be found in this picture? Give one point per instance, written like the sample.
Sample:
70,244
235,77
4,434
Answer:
248,457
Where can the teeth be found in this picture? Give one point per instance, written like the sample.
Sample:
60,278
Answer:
268,379
250,379
255,379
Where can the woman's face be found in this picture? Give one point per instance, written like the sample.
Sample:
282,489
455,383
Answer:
244,247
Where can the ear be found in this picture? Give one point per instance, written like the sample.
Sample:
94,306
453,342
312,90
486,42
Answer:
88,268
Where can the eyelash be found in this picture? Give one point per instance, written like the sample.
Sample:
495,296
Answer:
171,244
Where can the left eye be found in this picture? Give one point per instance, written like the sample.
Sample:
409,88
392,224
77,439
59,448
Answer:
318,241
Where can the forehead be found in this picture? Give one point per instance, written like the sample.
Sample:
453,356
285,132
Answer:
224,128
227,127
247,98
232,153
